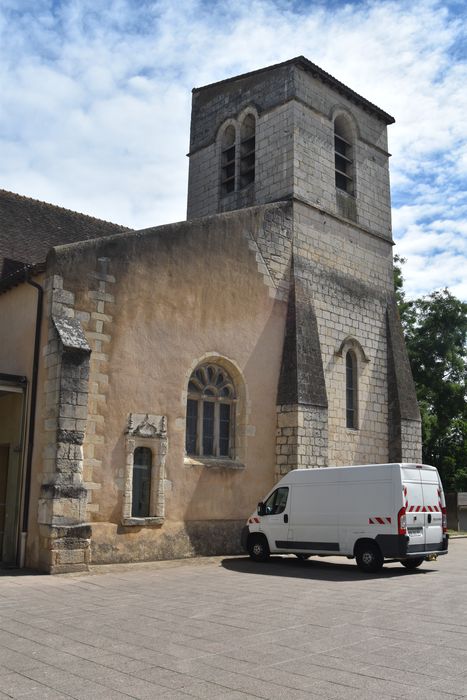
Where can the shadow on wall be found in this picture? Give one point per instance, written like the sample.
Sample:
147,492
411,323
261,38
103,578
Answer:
215,537
174,541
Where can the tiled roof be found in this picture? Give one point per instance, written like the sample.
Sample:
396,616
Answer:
29,228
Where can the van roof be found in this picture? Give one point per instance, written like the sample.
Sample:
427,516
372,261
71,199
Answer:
369,466
296,474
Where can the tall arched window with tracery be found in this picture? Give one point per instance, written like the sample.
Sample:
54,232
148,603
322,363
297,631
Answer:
210,412
351,389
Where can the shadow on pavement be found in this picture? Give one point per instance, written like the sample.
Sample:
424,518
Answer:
317,569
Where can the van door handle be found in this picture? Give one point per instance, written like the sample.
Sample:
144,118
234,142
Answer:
286,518
429,518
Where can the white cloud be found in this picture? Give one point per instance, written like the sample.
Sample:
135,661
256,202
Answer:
96,101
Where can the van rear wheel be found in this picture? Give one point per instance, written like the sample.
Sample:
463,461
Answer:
412,563
258,548
369,557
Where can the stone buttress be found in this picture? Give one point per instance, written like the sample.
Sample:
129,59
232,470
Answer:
64,534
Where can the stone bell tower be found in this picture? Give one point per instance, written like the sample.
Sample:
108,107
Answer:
293,133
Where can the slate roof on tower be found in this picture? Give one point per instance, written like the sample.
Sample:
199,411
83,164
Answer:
316,72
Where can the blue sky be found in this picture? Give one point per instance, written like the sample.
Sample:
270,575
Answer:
95,105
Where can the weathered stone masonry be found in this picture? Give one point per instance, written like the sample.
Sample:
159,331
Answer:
75,393
302,431
64,534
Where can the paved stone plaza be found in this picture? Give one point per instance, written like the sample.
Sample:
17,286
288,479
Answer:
229,628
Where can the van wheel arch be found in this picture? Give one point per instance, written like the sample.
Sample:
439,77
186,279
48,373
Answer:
412,563
368,555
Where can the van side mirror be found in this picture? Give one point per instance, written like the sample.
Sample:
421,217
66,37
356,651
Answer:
260,508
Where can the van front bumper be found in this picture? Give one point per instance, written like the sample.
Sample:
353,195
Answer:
398,547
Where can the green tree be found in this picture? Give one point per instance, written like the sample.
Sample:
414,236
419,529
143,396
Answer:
435,328
406,311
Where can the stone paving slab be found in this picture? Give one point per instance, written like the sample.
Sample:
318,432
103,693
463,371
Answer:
233,629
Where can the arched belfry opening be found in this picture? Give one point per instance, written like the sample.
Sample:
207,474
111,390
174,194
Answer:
344,157
228,148
247,150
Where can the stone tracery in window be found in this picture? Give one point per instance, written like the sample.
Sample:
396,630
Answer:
210,412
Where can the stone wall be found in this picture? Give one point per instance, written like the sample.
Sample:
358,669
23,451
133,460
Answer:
153,305
346,276
302,438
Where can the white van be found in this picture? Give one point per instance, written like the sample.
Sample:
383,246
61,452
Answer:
371,512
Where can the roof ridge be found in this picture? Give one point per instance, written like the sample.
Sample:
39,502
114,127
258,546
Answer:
63,209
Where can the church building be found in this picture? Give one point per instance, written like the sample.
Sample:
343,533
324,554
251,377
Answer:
155,384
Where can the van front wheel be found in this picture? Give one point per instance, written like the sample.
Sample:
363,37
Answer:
258,548
369,557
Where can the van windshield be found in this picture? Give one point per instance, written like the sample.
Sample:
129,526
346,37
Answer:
277,501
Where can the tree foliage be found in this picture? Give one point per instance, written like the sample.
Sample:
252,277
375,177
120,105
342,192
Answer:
435,329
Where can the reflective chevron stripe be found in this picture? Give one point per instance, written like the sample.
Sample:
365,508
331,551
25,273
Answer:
376,520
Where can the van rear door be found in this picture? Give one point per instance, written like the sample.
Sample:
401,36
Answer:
433,509
414,504
422,491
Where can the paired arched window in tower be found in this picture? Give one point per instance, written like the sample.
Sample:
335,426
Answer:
210,412
238,155
343,155
351,389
